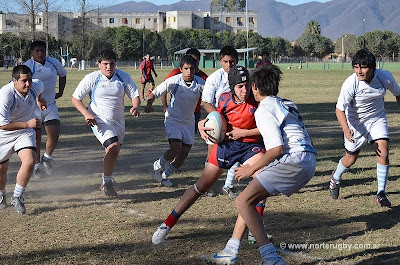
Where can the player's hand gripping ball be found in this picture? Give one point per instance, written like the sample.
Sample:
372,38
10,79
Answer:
218,123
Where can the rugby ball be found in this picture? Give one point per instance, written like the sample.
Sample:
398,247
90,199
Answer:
218,123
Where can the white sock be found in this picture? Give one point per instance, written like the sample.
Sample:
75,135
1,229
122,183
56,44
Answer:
47,156
106,179
232,246
37,165
19,190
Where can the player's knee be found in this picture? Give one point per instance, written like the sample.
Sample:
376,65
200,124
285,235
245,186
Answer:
113,149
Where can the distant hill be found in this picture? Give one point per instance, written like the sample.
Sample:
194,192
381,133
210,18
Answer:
336,17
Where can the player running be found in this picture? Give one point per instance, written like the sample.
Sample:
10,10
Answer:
105,114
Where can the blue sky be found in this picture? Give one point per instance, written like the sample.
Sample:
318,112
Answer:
290,2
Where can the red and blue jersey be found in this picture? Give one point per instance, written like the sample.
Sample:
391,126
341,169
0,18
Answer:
239,115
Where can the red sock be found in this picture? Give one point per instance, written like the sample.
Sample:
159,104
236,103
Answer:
172,219
260,208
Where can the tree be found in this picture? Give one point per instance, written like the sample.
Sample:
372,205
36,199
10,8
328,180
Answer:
217,6
278,47
314,45
382,43
31,7
172,41
313,27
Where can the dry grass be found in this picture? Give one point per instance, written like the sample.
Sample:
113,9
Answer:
69,221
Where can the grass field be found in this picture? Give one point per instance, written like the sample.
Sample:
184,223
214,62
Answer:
69,221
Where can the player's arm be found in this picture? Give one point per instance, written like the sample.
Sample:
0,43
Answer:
41,102
238,133
90,120
246,171
18,125
203,130
208,107
164,102
154,71
61,85
135,107
341,117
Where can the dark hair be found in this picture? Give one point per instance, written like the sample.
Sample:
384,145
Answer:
37,43
20,69
228,51
106,54
188,59
364,57
193,51
266,79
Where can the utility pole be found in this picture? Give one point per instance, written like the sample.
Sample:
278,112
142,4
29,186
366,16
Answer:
247,37
343,55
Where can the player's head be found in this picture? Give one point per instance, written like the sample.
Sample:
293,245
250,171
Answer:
265,56
195,54
22,78
266,80
188,67
107,62
238,78
364,57
228,57
364,64
147,56
38,51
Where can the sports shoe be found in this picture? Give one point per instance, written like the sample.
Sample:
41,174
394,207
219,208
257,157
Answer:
252,240
3,204
274,261
221,257
160,177
334,186
160,234
37,172
232,192
47,164
19,204
108,189
211,193
382,199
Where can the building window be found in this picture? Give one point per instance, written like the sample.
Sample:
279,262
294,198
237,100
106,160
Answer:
155,20
174,19
169,20
99,20
251,20
39,21
111,20
216,20
9,22
228,20
124,20
239,21
137,20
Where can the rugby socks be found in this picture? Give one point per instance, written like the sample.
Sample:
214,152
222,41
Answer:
171,169
382,172
268,252
37,165
260,208
172,219
106,179
18,190
47,156
340,169
232,246
162,161
230,176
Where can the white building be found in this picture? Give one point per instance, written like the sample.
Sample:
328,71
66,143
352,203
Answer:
64,24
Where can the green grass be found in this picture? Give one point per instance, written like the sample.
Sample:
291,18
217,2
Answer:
69,221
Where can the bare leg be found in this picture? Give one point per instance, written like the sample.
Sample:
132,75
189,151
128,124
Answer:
3,175
27,157
110,159
53,132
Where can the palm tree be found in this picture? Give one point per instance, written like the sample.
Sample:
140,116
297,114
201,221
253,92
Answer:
313,27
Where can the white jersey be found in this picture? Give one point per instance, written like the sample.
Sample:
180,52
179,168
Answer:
280,123
216,84
107,95
14,107
363,102
47,73
183,98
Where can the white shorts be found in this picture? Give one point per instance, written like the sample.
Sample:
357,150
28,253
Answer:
13,142
367,133
289,173
105,130
181,132
51,113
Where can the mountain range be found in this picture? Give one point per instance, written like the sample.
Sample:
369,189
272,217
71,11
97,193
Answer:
276,19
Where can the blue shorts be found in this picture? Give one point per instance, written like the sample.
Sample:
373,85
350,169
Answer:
227,153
